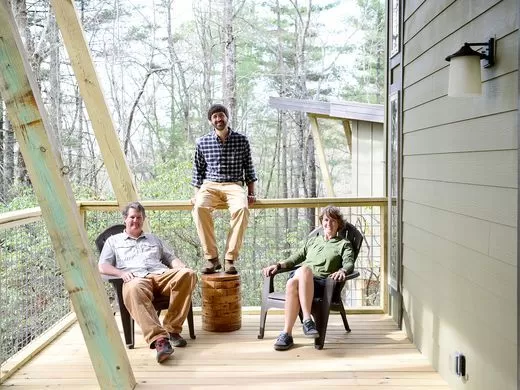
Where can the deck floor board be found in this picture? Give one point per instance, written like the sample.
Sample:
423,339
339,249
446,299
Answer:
376,354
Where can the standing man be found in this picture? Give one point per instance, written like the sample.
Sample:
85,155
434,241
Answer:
147,268
221,167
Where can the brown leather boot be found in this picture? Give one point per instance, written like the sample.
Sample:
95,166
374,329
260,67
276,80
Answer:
230,268
211,266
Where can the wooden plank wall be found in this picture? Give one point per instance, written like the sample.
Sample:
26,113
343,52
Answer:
368,165
460,189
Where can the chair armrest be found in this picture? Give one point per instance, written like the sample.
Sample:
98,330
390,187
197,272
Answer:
109,278
331,285
268,286
282,270
116,282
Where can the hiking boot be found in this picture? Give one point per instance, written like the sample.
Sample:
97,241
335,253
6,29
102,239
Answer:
309,329
211,266
177,340
283,342
164,349
230,268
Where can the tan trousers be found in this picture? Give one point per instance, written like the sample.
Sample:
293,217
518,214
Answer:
138,295
211,195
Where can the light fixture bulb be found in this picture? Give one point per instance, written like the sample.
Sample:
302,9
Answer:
464,78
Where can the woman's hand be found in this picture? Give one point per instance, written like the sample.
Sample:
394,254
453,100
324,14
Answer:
339,275
268,271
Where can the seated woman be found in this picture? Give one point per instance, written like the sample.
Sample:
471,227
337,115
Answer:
324,256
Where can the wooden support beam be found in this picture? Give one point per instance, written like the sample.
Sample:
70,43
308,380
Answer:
48,175
98,112
321,156
347,128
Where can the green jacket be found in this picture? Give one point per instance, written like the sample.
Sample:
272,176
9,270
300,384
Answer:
323,257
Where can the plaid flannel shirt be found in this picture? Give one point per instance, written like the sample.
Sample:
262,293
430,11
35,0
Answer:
223,162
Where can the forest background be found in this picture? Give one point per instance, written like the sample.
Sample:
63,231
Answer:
163,62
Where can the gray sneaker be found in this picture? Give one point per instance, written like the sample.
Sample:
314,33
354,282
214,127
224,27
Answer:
309,329
284,342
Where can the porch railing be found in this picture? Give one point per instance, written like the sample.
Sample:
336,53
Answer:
32,294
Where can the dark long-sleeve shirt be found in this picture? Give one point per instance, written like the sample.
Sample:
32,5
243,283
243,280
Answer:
323,257
223,162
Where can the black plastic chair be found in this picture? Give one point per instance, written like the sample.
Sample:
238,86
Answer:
321,307
160,302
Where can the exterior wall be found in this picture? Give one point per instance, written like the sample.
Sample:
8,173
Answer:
460,192
368,165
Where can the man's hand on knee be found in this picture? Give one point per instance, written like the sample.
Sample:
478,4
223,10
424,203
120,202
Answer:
127,276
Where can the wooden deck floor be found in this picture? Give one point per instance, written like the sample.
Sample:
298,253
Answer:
375,355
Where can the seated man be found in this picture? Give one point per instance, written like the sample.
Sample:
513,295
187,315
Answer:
147,267
323,256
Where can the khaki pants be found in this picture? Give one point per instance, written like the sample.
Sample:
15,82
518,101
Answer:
211,195
138,294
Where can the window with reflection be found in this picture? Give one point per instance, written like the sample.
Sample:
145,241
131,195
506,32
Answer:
393,271
395,28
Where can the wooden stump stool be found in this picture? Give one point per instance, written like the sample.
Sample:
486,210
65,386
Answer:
221,305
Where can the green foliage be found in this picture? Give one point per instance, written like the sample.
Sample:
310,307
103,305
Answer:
171,181
277,53
370,69
33,293
22,197
138,33
84,193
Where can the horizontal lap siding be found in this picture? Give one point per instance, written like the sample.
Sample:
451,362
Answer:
487,203
441,327
465,136
460,192
480,285
445,18
425,53
487,238
495,168
502,94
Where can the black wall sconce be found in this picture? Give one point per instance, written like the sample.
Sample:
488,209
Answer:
465,79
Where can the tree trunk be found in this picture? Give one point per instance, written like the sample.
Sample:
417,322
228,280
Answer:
184,96
9,160
305,141
229,63
203,25
54,80
311,169
19,8
3,189
80,157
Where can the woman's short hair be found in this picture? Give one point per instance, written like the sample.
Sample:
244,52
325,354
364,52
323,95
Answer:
333,212
136,206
